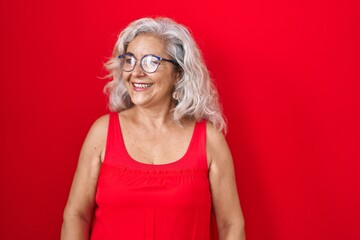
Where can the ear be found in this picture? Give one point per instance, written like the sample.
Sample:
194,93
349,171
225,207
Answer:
178,74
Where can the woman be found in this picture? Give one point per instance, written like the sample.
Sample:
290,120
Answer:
158,165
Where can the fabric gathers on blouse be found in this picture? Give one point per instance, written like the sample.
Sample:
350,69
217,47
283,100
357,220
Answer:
139,201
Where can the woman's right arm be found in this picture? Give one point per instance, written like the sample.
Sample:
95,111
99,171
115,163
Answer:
80,205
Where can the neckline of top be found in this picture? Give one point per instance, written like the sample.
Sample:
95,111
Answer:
152,166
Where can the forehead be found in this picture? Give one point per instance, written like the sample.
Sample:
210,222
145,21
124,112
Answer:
147,44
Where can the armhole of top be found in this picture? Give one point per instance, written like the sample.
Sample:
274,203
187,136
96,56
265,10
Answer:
205,144
109,137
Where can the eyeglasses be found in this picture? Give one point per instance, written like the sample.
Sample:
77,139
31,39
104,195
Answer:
149,63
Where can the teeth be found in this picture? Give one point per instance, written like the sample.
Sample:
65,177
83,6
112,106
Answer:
142,85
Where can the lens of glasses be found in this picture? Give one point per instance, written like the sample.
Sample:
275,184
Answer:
127,63
150,63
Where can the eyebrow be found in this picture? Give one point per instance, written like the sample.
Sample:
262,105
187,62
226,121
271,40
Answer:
130,53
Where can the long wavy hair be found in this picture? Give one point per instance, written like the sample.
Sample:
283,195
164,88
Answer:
198,98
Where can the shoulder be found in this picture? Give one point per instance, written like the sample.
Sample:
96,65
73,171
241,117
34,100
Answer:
213,135
216,146
95,140
99,126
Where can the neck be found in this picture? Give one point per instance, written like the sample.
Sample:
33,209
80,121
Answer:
153,118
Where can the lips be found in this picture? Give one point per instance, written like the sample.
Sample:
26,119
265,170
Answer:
142,85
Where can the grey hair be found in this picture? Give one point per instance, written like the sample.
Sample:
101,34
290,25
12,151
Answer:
198,97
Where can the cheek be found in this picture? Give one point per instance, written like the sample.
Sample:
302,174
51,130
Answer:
126,76
126,79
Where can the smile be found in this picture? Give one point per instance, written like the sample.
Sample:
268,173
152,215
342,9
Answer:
142,85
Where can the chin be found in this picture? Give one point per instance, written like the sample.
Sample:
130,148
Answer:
140,102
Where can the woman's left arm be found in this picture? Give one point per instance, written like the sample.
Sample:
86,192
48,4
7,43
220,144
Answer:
225,200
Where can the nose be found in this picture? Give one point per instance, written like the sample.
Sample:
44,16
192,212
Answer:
137,71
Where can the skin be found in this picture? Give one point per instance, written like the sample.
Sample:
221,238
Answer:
146,128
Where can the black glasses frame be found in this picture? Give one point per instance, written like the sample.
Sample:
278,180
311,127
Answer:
141,60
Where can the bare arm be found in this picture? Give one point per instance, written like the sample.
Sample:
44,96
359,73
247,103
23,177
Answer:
79,208
229,217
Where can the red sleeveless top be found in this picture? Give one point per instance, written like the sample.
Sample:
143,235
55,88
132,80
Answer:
138,201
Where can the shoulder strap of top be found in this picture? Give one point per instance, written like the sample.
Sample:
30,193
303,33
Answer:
197,148
114,148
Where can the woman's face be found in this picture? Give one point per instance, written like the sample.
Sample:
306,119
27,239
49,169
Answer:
151,90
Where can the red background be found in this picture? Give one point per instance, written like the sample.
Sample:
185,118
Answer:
287,73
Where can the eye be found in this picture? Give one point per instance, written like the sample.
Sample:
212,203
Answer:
128,60
149,60
154,61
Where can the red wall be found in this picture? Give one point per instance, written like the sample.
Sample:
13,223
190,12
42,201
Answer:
288,75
